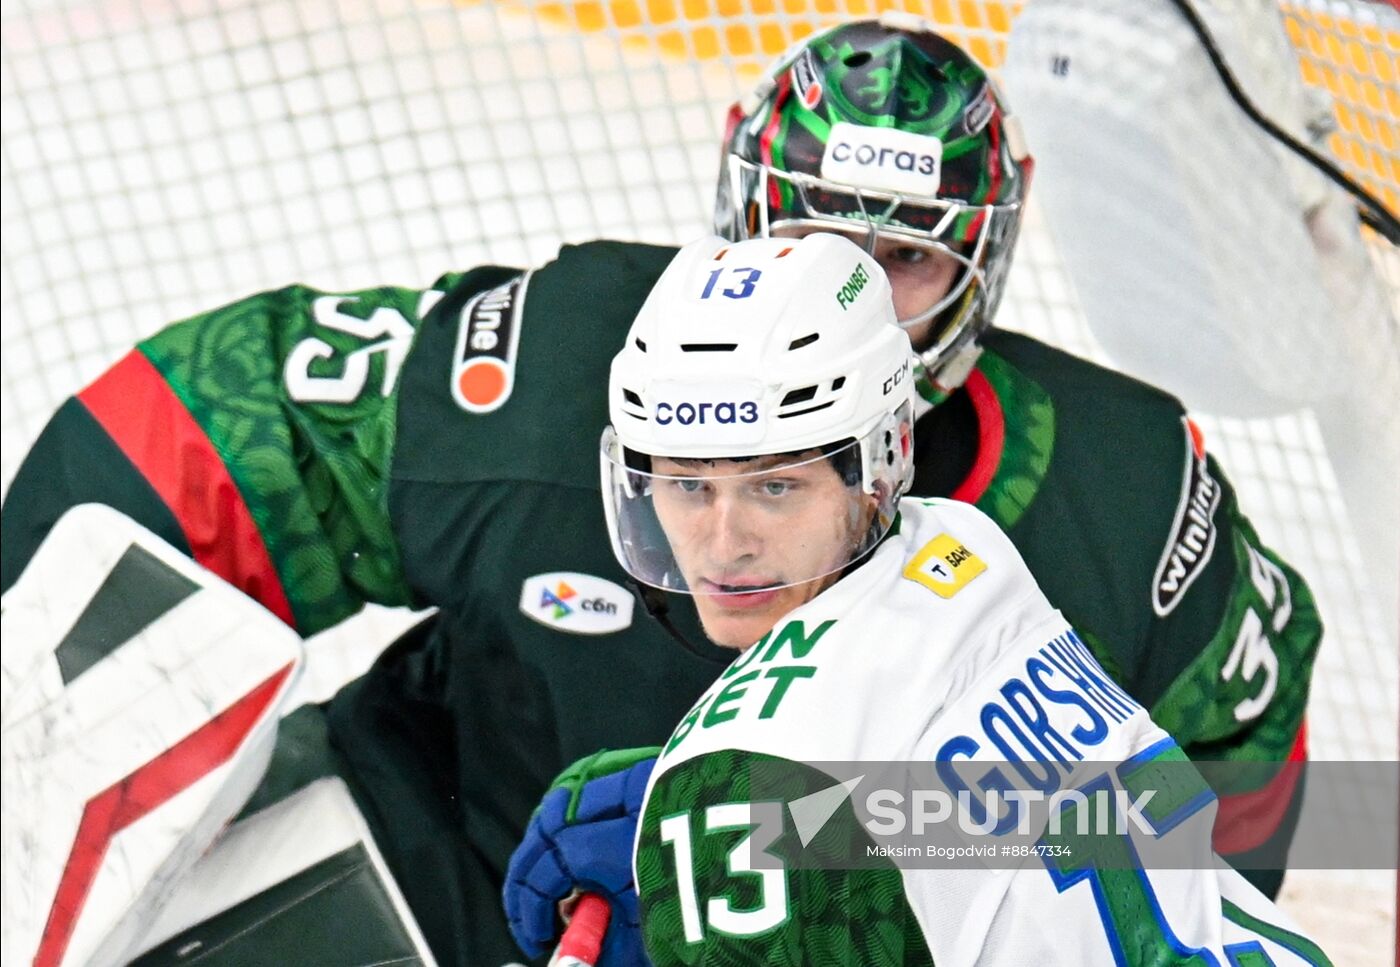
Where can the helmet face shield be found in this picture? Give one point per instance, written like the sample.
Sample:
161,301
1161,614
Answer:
769,202
761,415
747,526
970,235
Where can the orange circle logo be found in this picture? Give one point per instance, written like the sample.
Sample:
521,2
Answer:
482,383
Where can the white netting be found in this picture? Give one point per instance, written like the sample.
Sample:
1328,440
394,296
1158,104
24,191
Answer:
161,157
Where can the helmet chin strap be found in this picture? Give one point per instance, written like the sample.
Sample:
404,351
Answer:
659,608
939,376
943,364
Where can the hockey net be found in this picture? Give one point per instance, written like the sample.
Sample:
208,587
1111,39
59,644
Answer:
165,156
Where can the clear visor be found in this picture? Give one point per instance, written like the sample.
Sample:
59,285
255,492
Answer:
743,526
808,203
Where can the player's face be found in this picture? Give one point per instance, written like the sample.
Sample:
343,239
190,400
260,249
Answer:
919,275
755,539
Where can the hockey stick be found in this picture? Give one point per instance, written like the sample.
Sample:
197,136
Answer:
582,943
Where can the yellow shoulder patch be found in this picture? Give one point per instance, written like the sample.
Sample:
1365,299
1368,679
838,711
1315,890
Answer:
944,565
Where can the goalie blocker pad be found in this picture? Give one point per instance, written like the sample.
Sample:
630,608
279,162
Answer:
299,881
139,701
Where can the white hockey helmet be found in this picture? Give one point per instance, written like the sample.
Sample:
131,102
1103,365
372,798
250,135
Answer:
765,347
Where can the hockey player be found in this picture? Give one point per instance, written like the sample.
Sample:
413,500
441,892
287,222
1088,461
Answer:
886,131
321,450
885,629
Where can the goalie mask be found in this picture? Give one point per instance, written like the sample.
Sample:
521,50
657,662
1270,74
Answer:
761,418
886,131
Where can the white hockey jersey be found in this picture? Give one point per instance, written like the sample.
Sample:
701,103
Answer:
764,838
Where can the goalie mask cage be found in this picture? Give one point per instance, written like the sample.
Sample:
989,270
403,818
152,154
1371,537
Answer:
162,157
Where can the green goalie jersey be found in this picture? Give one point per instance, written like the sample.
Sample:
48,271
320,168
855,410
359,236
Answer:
439,447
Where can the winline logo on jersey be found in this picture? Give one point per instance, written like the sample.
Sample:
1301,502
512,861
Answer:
488,336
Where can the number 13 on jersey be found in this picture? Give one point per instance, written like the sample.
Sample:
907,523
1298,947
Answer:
762,822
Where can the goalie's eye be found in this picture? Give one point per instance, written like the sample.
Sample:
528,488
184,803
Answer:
907,255
689,485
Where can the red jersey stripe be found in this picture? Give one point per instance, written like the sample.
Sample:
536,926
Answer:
145,418
991,438
1246,821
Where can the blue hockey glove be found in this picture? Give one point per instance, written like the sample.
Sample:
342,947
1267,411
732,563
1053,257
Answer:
581,837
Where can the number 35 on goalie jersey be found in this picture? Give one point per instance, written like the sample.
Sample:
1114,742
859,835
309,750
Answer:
756,847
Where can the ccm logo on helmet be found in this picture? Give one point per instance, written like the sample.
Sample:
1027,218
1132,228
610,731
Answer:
895,378
702,414
869,155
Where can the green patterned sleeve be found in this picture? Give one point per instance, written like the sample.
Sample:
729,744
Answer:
295,394
724,879
256,438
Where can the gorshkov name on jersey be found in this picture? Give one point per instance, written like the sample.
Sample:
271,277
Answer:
483,370
1192,537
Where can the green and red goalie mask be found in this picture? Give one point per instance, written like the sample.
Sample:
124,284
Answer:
889,133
